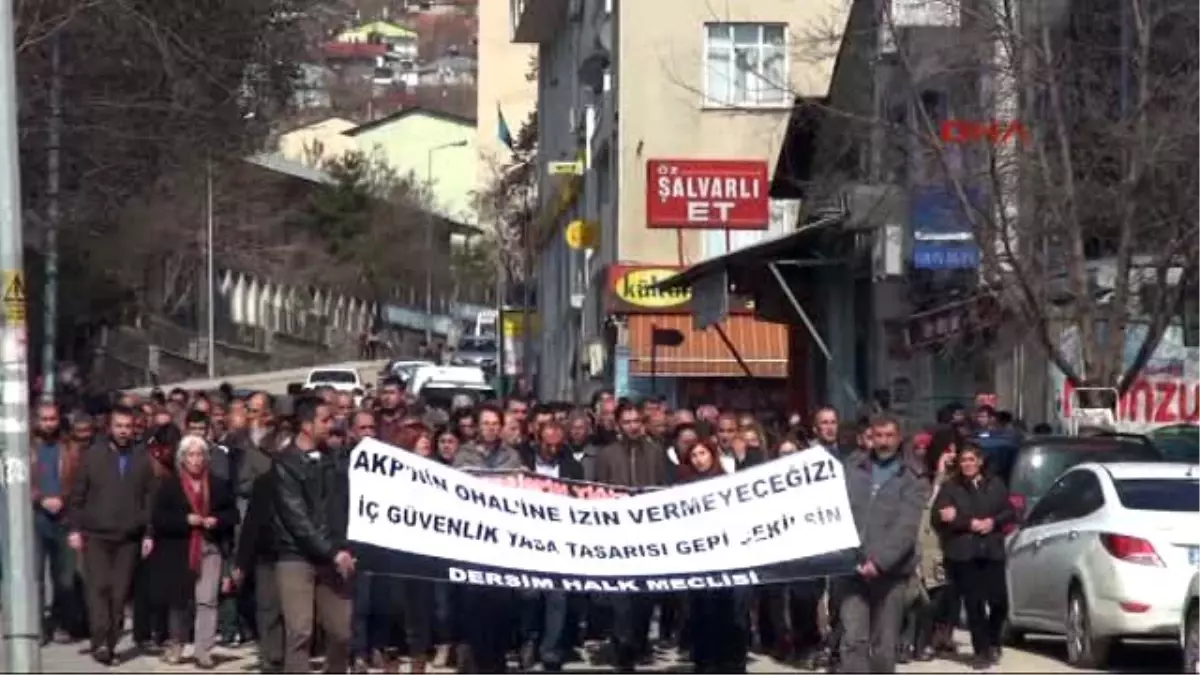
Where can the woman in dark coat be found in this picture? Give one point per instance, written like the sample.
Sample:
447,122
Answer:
719,631
193,523
970,513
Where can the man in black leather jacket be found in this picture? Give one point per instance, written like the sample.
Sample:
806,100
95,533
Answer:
310,520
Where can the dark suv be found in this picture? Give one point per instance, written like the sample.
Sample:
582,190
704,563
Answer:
1043,459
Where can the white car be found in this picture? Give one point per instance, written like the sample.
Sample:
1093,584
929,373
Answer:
340,379
402,369
1189,632
1106,554
440,385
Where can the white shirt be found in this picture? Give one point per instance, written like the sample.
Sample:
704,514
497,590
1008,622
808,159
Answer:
548,470
728,463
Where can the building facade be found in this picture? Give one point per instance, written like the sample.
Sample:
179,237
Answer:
502,86
672,95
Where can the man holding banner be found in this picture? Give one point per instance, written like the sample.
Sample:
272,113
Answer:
888,494
486,633
520,530
636,461
310,533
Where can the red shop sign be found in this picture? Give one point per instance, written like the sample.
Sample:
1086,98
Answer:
707,194
1154,400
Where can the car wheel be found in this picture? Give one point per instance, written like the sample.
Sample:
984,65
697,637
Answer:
1084,649
1191,642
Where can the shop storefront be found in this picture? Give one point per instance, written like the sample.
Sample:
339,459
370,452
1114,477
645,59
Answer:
741,362
799,284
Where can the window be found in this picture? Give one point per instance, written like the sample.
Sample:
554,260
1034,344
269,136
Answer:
1072,496
1159,494
746,64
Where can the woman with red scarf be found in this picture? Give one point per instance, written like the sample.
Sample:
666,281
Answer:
193,523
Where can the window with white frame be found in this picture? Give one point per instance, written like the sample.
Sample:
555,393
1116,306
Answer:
746,64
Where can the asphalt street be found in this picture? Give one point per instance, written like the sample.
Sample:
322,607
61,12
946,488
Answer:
1038,656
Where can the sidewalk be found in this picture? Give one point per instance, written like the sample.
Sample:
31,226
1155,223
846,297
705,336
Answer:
74,659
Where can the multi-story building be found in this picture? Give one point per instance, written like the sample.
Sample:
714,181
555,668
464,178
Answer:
690,98
502,85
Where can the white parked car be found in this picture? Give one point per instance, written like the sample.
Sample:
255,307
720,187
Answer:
1189,633
1106,554
340,379
402,369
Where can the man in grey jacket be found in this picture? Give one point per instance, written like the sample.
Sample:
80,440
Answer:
887,497
486,634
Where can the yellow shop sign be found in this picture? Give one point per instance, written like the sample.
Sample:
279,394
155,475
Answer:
635,286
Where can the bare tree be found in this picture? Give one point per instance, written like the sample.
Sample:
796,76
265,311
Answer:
1065,134
149,90
509,203
254,211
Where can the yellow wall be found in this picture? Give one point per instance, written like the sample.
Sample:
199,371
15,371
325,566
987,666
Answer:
315,144
405,143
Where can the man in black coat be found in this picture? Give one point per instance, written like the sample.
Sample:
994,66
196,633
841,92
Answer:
255,557
311,516
544,614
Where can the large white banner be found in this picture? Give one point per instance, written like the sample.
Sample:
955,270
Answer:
782,520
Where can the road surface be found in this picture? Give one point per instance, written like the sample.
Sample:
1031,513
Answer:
275,381
1039,656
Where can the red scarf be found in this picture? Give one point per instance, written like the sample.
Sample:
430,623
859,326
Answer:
196,492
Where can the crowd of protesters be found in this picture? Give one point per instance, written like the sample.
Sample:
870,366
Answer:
221,519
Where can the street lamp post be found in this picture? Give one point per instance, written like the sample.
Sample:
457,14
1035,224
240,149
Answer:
429,216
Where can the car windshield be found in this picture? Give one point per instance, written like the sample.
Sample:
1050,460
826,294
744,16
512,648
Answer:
1038,470
472,343
333,377
1179,443
443,397
1178,495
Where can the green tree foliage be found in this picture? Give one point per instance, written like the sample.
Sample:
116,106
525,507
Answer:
371,221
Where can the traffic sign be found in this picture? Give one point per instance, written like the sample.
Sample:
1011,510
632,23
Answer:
565,168
14,298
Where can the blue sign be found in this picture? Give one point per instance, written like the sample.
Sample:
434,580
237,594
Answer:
950,255
942,234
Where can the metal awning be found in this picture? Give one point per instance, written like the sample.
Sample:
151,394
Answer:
710,281
771,249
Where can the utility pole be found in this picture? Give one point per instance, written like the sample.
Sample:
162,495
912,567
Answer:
527,298
22,634
53,222
429,257
211,272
